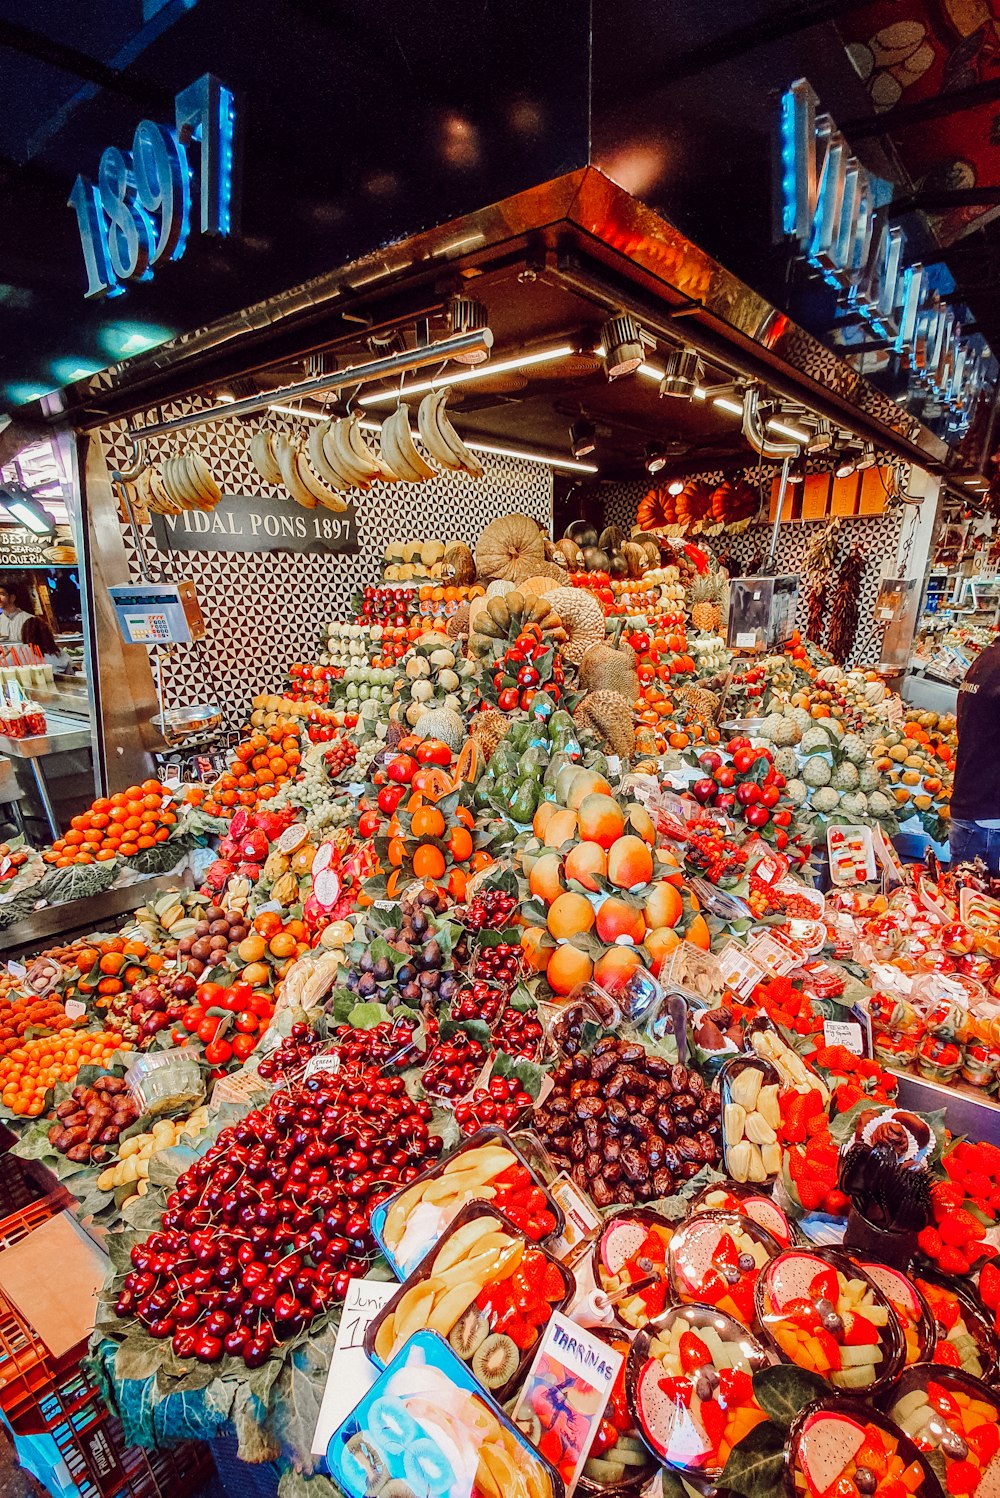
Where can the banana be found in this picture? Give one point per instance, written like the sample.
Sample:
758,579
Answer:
406,447
326,496
172,485
319,461
347,460
201,477
369,460
285,451
389,448
463,457
185,483
262,453
431,435
346,472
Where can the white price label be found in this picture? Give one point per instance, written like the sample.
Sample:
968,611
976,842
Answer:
746,639
383,904
845,1033
321,1063
16,969
75,1008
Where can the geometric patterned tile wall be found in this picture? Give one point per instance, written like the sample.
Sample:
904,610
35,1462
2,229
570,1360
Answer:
265,610
877,535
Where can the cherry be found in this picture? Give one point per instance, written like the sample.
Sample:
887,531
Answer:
208,1349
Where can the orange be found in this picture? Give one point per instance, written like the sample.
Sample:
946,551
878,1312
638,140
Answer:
567,967
112,962
428,862
460,844
267,923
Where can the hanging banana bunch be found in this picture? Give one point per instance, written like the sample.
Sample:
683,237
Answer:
281,463
187,481
439,437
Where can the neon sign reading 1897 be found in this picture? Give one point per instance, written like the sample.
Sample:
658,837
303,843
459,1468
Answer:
139,210
835,212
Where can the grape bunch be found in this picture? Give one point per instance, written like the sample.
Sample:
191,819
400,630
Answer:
489,911
340,755
504,1102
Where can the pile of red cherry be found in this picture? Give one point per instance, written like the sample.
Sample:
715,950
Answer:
503,1102
489,911
265,1232
453,1065
500,965
291,1056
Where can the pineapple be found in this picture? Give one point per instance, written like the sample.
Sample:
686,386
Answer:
703,596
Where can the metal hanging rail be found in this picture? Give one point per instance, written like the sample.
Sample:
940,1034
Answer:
478,340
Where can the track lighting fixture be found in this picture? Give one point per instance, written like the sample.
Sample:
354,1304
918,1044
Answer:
848,457
582,437
22,506
655,458
675,487
683,373
822,438
622,342
869,457
797,470
466,314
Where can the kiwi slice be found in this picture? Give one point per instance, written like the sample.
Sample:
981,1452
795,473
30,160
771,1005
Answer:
495,1360
469,1333
364,1464
599,1469
396,1488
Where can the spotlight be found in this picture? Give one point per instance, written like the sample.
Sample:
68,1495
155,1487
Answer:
623,351
868,457
654,458
822,439
682,374
797,471
467,315
582,437
675,487
847,459
23,507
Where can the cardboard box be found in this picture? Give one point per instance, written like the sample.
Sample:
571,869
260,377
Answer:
844,495
52,1278
816,496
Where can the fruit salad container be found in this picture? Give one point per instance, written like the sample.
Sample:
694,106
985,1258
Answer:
895,1047
748,1201
964,1337
824,1313
938,1059
632,1251
487,1290
487,1167
620,1462
426,1427
954,1420
690,1388
751,1118
715,1259
575,1027
843,1447
912,1311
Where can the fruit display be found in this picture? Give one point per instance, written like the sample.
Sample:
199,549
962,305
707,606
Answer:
841,1446
829,1319
631,1256
118,826
954,1420
691,1380
90,1121
485,1169
715,1259
484,1289
131,1165
33,1067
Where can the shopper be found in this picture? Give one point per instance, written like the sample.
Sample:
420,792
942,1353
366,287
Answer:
13,615
975,797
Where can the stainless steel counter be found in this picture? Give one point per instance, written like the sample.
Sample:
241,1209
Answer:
63,734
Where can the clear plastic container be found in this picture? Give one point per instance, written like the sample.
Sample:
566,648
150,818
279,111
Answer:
750,1119
952,1419
716,1257
486,1289
633,1251
690,1387
913,1312
748,1201
826,1315
408,1225
625,1464
963,1329
844,1446
427,1427
165,1082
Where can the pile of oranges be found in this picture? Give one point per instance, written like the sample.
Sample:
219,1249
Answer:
261,765
116,826
20,1014
29,1070
273,942
110,967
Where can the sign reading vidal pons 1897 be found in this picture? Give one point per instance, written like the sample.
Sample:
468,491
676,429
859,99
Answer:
248,522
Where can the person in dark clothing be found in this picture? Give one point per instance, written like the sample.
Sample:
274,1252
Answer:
975,797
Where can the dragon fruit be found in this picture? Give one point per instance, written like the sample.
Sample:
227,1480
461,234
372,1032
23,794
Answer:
657,1410
620,1242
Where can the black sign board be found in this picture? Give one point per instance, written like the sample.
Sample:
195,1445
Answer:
250,522
19,548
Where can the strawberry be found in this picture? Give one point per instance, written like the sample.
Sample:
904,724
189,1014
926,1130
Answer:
930,1242
860,1332
946,1354
693,1352
984,1440
713,1418
952,1261
811,1193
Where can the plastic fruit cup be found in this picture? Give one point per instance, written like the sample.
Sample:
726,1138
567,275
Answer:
835,1442
715,1260
628,1238
914,1314
954,1420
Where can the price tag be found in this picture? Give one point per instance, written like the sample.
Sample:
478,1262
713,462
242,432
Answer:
614,764
16,969
582,1218
737,969
845,1033
75,1008
321,1063
383,904
746,639
351,1375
